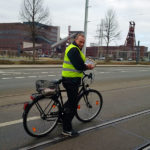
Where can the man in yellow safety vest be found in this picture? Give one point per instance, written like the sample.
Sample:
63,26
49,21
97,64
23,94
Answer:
72,72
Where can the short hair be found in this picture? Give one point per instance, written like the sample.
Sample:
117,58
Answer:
79,34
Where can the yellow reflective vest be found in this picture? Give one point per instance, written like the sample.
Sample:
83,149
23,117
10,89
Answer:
68,69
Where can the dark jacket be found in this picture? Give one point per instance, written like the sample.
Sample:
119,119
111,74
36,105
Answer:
75,58
77,62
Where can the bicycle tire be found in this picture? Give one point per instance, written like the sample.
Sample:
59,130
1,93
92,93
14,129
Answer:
88,111
41,117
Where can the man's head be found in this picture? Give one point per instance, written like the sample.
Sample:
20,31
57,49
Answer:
80,40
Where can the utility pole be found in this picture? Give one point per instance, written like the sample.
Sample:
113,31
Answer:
85,25
19,49
138,53
100,36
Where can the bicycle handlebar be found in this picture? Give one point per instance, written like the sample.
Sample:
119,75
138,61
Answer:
90,75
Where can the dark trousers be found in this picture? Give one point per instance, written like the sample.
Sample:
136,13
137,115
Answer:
71,85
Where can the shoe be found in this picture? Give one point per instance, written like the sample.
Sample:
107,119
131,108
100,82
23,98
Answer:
70,133
54,114
60,121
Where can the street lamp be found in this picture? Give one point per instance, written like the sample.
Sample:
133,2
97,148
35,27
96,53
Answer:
85,25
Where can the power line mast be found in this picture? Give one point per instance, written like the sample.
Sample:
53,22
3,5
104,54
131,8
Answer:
85,24
100,37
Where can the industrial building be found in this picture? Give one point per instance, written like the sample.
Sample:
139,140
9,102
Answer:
17,37
129,51
116,52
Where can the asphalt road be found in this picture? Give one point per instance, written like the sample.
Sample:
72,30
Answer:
125,91
24,79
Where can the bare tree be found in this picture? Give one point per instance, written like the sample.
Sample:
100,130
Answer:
33,12
111,31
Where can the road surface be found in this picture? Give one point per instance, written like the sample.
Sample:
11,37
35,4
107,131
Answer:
125,91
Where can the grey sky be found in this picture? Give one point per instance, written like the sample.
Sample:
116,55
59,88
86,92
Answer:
71,12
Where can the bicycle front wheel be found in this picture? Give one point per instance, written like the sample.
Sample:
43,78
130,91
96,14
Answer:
89,105
41,117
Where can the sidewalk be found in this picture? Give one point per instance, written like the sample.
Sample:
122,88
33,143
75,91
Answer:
59,66
130,134
28,66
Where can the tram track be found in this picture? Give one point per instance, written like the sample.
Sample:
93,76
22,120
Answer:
102,125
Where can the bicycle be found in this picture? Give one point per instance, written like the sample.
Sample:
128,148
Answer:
42,114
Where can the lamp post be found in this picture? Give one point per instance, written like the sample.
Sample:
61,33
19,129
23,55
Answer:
85,25
138,53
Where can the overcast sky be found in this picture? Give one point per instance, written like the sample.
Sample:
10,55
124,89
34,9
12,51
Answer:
71,12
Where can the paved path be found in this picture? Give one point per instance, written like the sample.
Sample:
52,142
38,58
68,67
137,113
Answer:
47,66
129,134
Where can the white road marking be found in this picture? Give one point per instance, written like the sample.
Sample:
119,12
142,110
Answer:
51,75
104,72
143,70
32,69
32,76
17,73
5,74
10,123
120,69
17,121
26,73
44,72
124,71
2,72
19,77
41,76
6,78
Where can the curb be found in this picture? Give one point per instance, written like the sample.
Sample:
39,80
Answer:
59,66
29,66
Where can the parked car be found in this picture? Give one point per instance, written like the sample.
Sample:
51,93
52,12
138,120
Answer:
43,55
129,59
119,59
102,58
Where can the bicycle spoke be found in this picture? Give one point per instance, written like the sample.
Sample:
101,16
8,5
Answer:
89,105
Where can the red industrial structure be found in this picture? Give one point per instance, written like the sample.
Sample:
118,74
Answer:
130,40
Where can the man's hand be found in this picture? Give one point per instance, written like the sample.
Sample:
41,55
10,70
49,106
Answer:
90,66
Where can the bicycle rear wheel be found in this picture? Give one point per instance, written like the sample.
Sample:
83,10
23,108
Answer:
89,105
41,117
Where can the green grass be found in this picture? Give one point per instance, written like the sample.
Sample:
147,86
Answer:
31,62
122,63
45,60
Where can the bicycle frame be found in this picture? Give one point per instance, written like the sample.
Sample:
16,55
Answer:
58,97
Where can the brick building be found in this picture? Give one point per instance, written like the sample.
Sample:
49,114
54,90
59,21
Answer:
17,37
116,52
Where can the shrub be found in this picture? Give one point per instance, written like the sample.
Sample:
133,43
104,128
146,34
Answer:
6,62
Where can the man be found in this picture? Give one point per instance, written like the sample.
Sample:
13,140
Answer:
72,72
